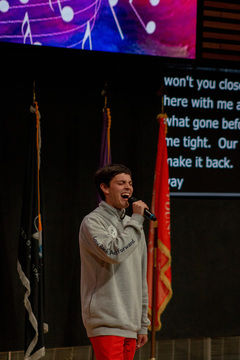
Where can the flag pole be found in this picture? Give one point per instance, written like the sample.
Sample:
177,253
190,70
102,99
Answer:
30,252
159,256
154,302
105,153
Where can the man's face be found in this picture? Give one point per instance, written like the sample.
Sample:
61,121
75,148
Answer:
119,190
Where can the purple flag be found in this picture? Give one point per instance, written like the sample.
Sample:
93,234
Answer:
105,156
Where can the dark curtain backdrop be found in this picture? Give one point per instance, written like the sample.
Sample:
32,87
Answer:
205,232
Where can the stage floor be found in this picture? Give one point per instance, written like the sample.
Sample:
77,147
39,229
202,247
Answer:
221,348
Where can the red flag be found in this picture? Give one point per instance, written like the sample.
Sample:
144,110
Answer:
105,155
161,208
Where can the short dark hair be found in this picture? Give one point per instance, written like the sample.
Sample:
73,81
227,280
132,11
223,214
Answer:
106,174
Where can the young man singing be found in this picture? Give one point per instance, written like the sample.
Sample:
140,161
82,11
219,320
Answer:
113,254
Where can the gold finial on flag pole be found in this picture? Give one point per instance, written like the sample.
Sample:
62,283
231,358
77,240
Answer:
105,94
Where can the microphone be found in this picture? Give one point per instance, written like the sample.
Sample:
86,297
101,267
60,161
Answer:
147,214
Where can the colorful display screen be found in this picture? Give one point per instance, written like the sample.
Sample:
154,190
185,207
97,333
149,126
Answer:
149,27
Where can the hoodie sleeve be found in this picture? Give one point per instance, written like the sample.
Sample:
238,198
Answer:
145,322
110,241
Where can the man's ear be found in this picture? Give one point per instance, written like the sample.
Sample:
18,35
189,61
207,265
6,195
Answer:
104,188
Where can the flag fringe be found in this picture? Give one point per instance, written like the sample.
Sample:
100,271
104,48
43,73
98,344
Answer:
162,308
165,281
164,250
167,284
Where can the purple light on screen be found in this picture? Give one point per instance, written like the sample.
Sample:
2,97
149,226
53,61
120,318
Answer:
151,27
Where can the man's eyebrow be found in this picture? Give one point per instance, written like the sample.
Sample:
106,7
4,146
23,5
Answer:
125,181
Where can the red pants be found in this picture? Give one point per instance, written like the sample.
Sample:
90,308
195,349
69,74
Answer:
113,347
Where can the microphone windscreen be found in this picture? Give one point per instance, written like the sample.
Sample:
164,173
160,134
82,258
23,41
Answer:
132,199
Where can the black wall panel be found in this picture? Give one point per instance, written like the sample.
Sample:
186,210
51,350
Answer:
205,232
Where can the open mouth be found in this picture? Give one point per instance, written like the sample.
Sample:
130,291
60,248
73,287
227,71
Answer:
125,196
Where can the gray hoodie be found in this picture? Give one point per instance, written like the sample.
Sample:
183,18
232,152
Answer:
113,253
